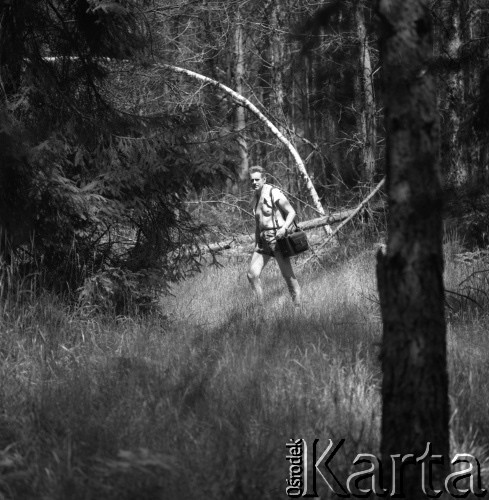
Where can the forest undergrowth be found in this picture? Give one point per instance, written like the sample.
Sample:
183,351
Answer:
199,401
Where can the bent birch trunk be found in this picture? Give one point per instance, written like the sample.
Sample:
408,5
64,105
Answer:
251,107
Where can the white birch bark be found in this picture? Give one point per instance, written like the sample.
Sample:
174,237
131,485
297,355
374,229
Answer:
238,98
253,109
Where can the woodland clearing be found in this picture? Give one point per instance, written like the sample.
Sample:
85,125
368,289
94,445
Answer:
200,400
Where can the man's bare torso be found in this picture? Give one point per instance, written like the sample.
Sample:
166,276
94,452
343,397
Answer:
264,212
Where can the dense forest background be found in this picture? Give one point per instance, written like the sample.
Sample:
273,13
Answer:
105,150
126,374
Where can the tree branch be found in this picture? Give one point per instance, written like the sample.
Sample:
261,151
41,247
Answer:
350,216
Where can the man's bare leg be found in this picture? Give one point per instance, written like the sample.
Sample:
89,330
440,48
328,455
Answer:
258,262
285,266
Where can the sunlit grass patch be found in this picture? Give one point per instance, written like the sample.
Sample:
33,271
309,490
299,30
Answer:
104,407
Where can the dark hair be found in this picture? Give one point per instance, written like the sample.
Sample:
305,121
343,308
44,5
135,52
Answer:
256,169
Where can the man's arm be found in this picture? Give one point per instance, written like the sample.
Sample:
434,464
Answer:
288,211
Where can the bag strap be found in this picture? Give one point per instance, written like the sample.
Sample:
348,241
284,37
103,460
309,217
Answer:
274,217
273,208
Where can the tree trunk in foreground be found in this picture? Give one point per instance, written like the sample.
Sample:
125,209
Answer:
410,271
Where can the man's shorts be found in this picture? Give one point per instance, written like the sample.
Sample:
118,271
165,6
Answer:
267,242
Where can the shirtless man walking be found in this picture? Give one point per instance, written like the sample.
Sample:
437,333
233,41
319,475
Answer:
273,216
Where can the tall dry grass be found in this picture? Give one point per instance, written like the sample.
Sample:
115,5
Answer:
200,401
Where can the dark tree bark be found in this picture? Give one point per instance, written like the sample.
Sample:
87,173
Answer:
240,115
12,40
367,126
410,270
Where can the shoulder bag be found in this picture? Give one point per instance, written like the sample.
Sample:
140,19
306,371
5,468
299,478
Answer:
295,240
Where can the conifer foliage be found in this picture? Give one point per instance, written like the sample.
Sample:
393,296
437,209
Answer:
99,146
90,190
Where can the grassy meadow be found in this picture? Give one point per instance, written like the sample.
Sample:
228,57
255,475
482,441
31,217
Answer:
200,400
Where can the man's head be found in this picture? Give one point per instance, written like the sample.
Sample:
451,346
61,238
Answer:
257,178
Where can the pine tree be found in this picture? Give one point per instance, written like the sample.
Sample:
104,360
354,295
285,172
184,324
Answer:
410,272
87,180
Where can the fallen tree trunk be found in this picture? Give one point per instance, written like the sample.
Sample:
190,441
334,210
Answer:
342,217
333,218
352,214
